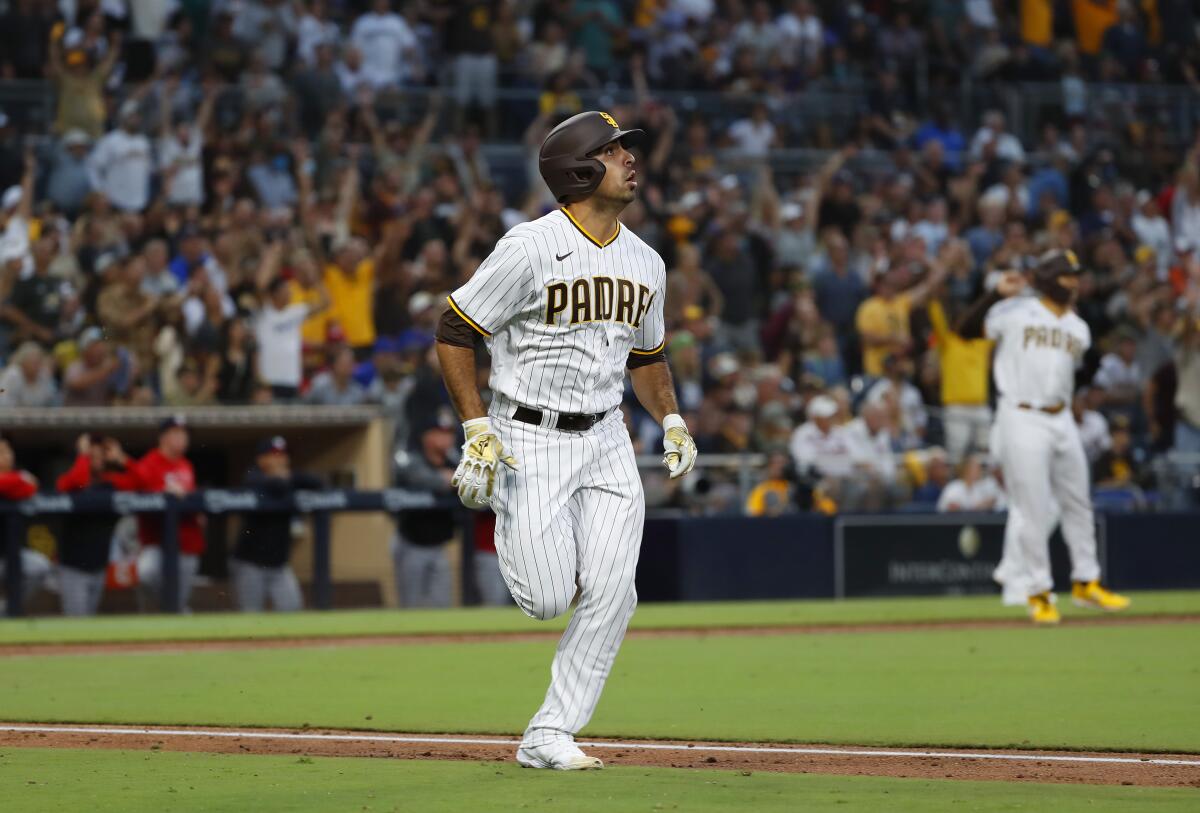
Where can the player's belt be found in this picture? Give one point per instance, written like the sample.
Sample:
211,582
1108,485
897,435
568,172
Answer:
1049,410
567,421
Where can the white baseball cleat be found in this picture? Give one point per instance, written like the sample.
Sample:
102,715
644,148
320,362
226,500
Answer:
561,756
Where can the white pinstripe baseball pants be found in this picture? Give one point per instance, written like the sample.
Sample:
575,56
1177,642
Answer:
571,517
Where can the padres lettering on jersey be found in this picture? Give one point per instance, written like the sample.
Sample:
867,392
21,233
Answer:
1054,337
1037,351
562,310
595,301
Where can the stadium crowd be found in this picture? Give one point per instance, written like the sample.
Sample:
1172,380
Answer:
265,201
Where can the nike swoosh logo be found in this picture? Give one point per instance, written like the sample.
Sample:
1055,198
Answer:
561,257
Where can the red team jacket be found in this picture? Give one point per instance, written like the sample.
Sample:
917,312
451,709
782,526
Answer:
14,486
79,477
153,472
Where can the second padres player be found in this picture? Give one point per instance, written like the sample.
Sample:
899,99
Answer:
566,304
1039,343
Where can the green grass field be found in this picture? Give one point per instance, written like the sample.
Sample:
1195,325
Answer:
649,616
119,781
1127,687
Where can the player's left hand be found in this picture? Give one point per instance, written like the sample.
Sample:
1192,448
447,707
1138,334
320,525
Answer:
475,477
679,448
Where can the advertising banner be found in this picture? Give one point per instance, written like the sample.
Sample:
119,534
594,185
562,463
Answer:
929,554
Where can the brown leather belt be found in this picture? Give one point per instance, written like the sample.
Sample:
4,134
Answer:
567,422
1049,410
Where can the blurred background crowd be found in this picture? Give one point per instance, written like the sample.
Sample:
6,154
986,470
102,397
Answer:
266,201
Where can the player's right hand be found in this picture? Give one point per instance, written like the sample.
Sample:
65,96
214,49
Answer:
679,450
475,477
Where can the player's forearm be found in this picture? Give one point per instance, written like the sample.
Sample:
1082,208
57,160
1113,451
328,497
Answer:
654,388
970,326
458,372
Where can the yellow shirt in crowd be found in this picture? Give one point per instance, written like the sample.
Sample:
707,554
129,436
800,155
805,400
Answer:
877,315
350,297
964,362
1037,22
1092,19
313,331
768,499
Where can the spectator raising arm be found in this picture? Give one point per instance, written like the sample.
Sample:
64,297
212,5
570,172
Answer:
106,451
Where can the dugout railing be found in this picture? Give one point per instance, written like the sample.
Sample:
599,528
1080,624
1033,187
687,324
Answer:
319,505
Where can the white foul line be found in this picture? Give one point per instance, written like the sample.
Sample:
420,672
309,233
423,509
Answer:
636,746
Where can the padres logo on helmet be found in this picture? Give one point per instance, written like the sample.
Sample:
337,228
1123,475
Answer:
566,161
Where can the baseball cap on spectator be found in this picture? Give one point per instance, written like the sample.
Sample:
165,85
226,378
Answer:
173,422
412,339
89,337
723,364
420,302
104,262
690,200
334,333
72,38
1183,245
1058,219
75,138
129,107
682,340
822,406
12,197
271,445
791,211
190,230
1143,197
385,344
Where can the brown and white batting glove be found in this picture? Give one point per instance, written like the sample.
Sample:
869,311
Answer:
475,477
679,449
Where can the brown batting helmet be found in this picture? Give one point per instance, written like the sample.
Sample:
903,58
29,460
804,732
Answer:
565,158
1049,267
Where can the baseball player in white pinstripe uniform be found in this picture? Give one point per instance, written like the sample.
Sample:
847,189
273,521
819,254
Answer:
1040,340
566,304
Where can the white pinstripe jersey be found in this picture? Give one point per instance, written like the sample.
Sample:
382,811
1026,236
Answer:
1037,351
561,311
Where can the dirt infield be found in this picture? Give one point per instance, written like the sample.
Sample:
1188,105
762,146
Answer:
224,644
1020,766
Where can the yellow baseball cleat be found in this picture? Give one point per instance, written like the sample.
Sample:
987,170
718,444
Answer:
1092,595
1042,610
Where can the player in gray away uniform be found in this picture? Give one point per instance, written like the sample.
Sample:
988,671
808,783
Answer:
566,304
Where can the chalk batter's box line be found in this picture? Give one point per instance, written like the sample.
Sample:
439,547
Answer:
640,746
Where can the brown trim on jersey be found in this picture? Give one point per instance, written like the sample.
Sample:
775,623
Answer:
467,319
586,233
453,329
653,352
637,359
